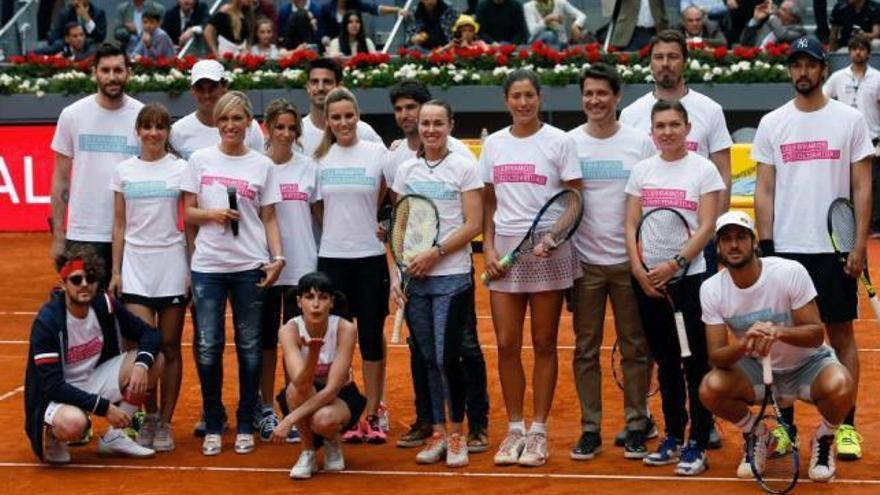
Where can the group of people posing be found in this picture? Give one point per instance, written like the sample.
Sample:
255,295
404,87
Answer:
285,227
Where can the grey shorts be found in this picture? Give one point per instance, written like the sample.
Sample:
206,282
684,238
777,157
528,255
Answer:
790,385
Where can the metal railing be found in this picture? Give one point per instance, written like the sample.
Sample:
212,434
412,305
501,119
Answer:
20,28
397,24
189,43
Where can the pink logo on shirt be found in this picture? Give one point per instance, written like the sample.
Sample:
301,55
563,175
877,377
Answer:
692,146
85,351
671,198
241,186
517,173
808,150
290,192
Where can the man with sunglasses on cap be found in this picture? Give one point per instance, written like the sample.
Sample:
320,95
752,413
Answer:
77,366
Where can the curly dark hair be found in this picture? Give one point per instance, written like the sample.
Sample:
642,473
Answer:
93,263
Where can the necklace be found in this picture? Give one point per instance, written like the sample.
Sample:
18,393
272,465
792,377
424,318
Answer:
432,167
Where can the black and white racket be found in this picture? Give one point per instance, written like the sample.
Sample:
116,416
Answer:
554,224
617,370
415,226
661,235
842,230
770,449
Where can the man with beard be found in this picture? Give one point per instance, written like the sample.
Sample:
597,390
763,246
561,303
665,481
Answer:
859,86
93,135
822,147
325,75
708,136
769,305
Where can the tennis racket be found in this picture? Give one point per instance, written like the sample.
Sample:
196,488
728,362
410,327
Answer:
415,226
554,224
617,370
771,452
842,230
661,235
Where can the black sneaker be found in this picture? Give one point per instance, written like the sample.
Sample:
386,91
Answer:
650,432
417,435
634,446
588,445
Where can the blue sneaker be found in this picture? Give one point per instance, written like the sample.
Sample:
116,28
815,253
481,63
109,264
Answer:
668,452
293,436
693,460
267,425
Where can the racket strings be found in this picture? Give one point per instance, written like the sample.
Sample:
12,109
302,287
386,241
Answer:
559,219
775,456
413,229
843,226
662,235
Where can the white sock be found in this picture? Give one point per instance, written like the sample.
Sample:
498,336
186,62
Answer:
519,426
825,428
538,428
746,423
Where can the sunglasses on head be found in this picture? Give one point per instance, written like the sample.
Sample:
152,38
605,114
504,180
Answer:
77,280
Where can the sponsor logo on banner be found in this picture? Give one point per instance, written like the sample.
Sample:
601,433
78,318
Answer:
26,164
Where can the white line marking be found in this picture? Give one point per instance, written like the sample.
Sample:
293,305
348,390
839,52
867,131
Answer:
437,474
11,393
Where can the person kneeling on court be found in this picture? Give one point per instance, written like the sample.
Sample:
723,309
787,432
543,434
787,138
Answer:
769,305
77,366
324,401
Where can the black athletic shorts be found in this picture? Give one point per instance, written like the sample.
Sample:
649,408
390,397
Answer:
349,394
838,297
155,303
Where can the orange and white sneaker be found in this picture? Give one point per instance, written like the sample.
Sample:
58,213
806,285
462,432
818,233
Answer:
511,448
456,451
434,449
535,452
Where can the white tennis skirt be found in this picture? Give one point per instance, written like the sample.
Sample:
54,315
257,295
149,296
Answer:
532,273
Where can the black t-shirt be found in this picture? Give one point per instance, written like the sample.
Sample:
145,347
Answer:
845,16
223,24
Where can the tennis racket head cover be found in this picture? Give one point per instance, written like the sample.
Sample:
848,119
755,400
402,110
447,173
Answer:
842,225
771,450
415,226
661,235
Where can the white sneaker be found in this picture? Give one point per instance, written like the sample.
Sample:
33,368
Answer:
333,460
212,445
244,443
434,449
54,450
116,442
164,440
744,470
456,451
305,466
822,466
147,433
511,448
535,452
384,417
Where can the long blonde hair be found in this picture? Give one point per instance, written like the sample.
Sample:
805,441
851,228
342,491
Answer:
337,95
236,15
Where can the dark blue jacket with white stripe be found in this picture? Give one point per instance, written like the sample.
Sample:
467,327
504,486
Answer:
44,378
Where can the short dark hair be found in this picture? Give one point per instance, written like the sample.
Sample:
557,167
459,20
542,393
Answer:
107,50
152,14
669,36
603,72
663,105
522,75
860,40
85,252
325,63
69,26
409,88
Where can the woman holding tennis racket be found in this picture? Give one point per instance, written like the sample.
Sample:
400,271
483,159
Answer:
440,294
145,235
351,185
671,208
523,166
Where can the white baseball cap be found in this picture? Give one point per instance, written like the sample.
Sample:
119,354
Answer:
734,217
207,69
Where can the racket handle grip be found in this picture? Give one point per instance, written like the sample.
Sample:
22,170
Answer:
398,323
682,335
505,263
767,365
875,305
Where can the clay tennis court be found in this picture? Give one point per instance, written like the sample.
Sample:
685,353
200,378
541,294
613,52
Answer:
26,276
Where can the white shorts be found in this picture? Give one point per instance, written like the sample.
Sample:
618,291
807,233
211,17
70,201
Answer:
104,381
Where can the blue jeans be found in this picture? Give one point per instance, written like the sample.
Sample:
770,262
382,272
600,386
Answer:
210,291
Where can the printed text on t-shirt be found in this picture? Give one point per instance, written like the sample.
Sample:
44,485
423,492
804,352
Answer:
808,150
82,352
671,198
291,192
241,186
517,172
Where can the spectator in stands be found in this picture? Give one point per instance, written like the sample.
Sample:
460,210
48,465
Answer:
548,20
464,34
716,10
311,11
639,20
331,16
130,21
770,24
265,45
851,16
155,42
352,39
741,12
91,18
302,31
185,20
231,29
76,46
697,27
264,8
503,21
431,25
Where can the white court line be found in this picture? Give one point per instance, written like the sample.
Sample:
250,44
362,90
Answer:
11,393
436,474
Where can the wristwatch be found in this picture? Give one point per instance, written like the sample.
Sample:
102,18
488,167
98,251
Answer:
279,258
680,260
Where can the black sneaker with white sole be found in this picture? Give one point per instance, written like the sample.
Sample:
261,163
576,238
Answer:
650,432
587,446
634,446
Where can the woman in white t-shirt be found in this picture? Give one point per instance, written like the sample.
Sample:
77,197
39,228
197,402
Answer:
295,176
351,185
237,255
523,166
145,236
441,293
685,181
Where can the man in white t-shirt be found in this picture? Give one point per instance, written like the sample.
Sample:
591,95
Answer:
822,148
607,151
325,75
93,135
208,82
859,87
769,306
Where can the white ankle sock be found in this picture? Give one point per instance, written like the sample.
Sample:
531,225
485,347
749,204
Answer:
519,426
538,428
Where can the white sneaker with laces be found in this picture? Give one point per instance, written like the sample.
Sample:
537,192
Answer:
164,440
54,450
456,451
535,452
333,460
305,466
147,433
244,443
434,449
212,445
511,448
822,467
116,442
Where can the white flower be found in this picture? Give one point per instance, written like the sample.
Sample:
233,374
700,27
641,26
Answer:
695,64
40,94
435,71
716,71
475,76
708,76
457,78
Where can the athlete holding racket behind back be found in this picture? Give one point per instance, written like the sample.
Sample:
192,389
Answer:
674,184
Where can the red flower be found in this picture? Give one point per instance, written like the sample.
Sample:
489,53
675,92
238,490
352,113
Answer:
623,58
523,54
719,52
507,49
645,51
594,56
501,59
17,59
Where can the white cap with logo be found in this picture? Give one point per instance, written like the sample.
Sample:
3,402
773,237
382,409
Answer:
733,217
207,69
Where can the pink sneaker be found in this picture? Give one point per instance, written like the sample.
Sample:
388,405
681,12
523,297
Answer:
355,434
373,431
